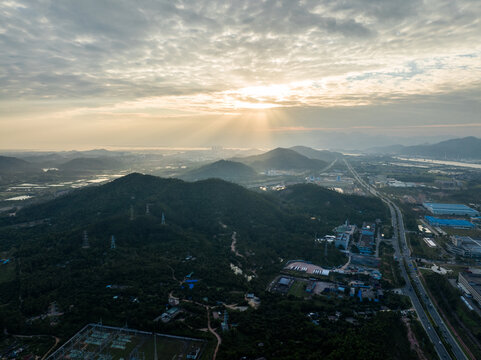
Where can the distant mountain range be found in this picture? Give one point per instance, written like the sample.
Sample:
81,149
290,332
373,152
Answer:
222,169
282,159
453,149
12,165
91,164
247,168
311,153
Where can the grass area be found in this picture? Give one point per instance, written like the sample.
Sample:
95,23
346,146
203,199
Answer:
389,267
421,249
166,348
474,233
298,289
388,231
425,343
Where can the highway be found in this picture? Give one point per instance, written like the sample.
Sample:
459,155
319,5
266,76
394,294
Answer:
407,266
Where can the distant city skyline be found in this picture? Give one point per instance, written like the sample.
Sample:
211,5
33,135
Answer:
327,74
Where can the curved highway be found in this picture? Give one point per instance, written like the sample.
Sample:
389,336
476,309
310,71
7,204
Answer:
408,271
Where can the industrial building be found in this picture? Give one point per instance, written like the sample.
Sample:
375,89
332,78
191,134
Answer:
465,246
454,223
367,241
344,234
471,281
450,209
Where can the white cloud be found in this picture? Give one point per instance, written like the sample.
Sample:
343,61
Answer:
222,57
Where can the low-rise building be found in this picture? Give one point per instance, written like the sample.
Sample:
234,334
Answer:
170,314
471,281
465,246
344,234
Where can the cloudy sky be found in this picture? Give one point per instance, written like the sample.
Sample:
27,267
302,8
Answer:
93,73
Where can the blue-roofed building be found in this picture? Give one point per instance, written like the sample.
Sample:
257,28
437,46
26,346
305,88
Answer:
284,281
367,241
450,209
454,223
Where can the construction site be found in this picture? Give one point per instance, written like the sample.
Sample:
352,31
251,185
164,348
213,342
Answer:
99,342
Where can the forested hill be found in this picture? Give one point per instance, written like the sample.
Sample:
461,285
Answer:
222,169
49,262
311,153
463,148
282,159
453,149
12,165
203,204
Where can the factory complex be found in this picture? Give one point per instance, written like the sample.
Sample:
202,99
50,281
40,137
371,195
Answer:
450,209
465,246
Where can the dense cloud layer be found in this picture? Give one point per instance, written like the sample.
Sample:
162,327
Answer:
151,58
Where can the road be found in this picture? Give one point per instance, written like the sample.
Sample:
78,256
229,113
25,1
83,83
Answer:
329,166
407,266
219,340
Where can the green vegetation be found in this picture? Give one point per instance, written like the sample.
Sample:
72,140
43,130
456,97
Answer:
222,169
389,267
282,159
421,249
7,272
388,231
425,343
151,259
35,345
472,194
311,153
298,289
466,322
282,330
475,233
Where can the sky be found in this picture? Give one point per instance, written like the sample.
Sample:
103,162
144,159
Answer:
92,73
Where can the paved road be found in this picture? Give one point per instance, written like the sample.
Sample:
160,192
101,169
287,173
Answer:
407,265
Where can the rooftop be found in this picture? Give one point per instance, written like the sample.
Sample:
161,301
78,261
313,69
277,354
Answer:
447,206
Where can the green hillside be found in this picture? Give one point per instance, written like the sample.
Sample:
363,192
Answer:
13,165
311,153
222,169
282,159
150,258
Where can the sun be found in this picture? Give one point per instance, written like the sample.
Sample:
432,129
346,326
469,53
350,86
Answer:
259,97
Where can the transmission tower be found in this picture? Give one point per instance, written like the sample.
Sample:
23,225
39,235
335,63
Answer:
85,240
225,323
155,348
